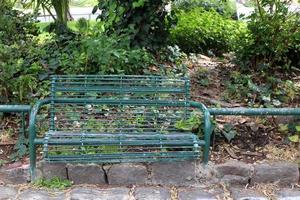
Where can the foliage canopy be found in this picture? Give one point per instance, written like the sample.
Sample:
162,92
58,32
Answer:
147,22
272,42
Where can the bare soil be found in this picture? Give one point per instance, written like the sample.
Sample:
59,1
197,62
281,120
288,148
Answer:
257,138
9,132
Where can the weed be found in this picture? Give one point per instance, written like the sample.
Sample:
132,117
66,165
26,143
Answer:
202,76
2,162
54,183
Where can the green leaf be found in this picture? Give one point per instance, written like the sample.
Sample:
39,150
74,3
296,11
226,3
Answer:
229,132
294,138
283,127
190,124
229,135
139,3
297,128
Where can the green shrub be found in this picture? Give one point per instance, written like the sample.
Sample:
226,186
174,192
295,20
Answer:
25,65
15,26
273,92
224,8
88,54
272,42
17,30
200,31
113,55
147,22
58,54
27,58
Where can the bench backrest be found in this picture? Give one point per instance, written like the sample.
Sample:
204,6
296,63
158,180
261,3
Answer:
90,115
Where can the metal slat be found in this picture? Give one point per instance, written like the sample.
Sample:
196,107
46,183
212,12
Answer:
125,157
143,90
15,108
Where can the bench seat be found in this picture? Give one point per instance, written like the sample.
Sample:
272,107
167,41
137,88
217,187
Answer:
108,147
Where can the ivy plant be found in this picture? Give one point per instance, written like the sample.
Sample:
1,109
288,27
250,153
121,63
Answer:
146,21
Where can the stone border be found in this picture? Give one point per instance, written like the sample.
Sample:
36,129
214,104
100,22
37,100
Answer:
88,192
239,173
180,174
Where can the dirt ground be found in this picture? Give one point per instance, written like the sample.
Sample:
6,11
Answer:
257,138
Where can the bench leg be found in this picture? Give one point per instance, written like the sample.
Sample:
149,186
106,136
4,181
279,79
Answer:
32,149
207,135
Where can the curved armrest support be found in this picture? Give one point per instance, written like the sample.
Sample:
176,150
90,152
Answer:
32,135
32,119
207,128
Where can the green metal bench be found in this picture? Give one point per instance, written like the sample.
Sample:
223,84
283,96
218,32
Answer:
113,119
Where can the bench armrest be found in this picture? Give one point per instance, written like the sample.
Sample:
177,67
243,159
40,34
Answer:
207,127
32,119
32,135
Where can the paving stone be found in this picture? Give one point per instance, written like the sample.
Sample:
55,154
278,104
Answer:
7,193
246,194
50,170
233,167
289,194
284,172
127,174
33,194
86,174
174,173
17,175
235,180
85,193
206,173
152,193
195,194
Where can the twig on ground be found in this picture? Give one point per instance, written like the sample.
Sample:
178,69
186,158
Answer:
231,153
251,154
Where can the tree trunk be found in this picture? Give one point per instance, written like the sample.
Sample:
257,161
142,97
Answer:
61,8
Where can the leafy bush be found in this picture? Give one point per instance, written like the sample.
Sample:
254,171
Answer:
272,93
113,55
224,8
272,42
200,31
58,54
15,26
28,58
146,22
16,32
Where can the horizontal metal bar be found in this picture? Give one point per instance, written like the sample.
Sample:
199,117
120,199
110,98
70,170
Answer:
143,135
120,83
140,90
254,111
127,160
116,77
41,141
128,130
123,155
15,108
119,102
75,150
124,142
